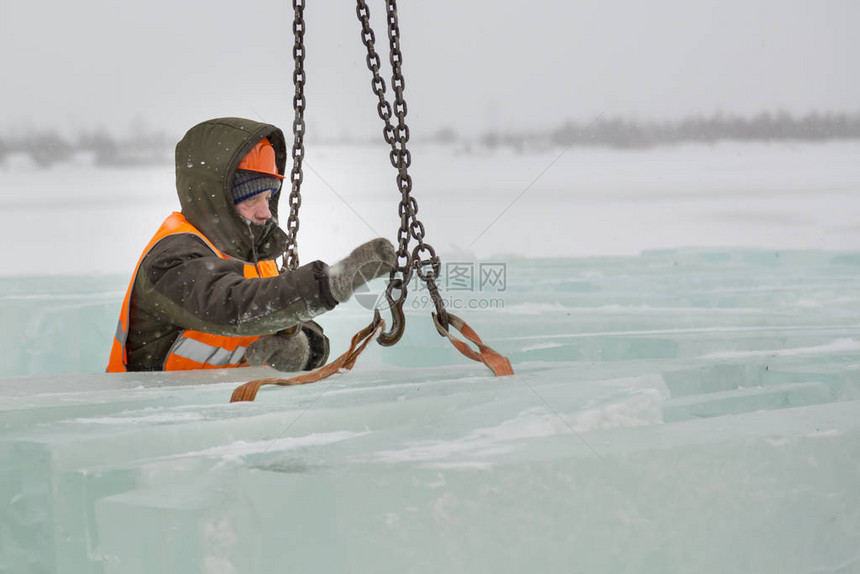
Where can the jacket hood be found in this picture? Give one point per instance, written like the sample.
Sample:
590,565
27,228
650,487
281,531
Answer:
206,159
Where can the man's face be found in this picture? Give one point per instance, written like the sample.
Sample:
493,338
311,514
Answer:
256,209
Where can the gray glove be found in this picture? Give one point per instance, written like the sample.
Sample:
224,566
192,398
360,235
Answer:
281,352
368,261
319,345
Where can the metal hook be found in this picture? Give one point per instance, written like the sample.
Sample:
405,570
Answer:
398,324
441,315
398,318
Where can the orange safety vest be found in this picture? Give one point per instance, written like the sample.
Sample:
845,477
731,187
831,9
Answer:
192,349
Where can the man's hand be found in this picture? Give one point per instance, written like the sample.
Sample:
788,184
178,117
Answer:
318,343
281,352
368,261
303,349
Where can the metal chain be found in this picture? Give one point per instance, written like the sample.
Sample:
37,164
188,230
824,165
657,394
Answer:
397,137
291,254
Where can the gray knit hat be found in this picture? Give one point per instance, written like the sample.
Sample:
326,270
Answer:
247,184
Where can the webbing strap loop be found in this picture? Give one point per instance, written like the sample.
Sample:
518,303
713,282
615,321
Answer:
345,362
498,363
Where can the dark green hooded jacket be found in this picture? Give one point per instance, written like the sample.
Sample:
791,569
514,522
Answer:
182,284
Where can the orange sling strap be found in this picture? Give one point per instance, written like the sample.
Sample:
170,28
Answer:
248,391
192,349
497,363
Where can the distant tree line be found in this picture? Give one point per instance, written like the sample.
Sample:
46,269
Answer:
47,147
627,133
147,147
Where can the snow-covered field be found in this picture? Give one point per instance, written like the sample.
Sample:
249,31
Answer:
73,219
684,324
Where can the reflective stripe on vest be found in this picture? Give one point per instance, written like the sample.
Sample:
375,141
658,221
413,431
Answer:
192,349
196,350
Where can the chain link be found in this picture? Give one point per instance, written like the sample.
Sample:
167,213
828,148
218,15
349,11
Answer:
291,253
397,136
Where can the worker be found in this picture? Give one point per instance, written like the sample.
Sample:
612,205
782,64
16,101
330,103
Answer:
206,292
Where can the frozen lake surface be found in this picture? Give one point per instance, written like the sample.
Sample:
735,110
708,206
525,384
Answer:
684,325
73,219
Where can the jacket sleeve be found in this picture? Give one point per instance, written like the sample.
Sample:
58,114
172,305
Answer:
183,282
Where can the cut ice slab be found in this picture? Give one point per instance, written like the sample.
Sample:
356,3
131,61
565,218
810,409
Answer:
765,492
562,467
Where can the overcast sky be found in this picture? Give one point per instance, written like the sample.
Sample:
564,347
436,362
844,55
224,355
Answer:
469,65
